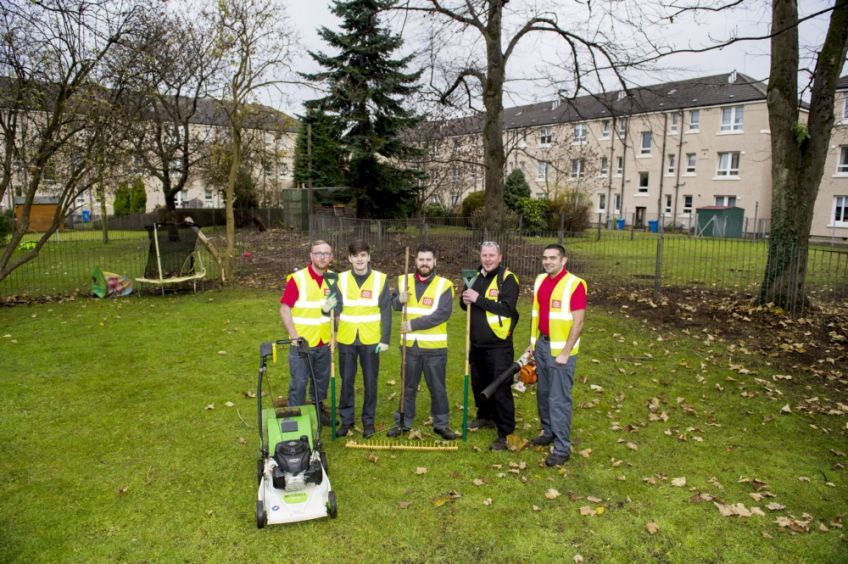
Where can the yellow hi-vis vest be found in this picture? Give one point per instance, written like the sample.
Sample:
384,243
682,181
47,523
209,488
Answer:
434,337
360,308
560,318
500,325
308,320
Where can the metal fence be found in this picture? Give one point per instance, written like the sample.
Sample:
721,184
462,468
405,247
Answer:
646,261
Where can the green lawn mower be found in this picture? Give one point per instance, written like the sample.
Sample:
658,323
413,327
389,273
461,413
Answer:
292,467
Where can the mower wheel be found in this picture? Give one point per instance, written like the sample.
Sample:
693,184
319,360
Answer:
260,469
261,517
332,508
324,462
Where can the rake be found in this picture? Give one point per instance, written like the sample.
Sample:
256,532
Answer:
469,276
424,446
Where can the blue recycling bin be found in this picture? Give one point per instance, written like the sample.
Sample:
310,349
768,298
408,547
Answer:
653,226
86,216
620,224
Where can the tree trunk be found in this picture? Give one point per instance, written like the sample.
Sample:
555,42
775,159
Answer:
104,218
493,150
798,150
229,255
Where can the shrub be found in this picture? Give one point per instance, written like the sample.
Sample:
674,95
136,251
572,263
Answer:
123,200
534,214
138,196
515,188
7,224
574,205
473,202
436,210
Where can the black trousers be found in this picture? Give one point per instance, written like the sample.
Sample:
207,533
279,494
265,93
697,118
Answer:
486,364
370,362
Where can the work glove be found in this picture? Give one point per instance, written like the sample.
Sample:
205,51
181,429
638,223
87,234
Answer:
405,326
381,348
329,303
403,297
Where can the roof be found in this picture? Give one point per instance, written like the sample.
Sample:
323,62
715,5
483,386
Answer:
843,83
692,93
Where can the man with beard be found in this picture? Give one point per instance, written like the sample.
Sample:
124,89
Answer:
492,298
304,309
429,300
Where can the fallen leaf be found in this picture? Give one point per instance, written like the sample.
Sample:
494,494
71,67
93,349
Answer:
586,511
652,527
786,409
373,458
222,353
586,453
249,394
803,479
209,407
678,482
515,443
404,504
536,508
632,446
242,441
123,489
441,500
593,499
552,493
600,510
578,558
229,404
757,511
420,470
487,501
774,506
477,482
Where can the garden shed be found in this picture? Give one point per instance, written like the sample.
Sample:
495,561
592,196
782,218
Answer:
720,221
41,214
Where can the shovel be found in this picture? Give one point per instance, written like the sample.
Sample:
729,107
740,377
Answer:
469,276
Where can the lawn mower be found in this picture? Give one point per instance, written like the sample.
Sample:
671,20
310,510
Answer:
292,467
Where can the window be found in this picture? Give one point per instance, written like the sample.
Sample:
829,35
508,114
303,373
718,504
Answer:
616,203
581,133
842,164
691,159
840,211
455,198
544,170
602,202
728,164
619,165
731,118
694,120
604,166
725,200
546,135
687,204
622,128
207,197
845,108
668,203
643,182
672,163
577,168
284,169
673,125
646,142
522,166
455,175
179,198
605,129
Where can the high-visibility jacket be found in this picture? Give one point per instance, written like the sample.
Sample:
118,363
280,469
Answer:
308,320
500,325
560,317
360,308
434,337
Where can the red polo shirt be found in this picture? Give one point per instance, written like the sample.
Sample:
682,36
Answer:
290,294
546,288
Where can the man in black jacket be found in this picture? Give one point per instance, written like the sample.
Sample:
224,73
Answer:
493,297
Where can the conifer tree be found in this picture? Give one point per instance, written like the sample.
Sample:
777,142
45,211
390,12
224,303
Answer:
366,89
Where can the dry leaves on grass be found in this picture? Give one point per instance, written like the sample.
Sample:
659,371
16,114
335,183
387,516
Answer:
404,504
487,501
441,500
679,482
372,458
552,493
420,470
652,527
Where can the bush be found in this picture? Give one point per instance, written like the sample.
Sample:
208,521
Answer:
436,210
123,200
515,188
473,202
138,196
574,205
534,214
7,224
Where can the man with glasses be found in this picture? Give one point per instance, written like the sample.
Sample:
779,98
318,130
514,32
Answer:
429,299
559,309
492,297
304,308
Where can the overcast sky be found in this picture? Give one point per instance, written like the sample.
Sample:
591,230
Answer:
532,64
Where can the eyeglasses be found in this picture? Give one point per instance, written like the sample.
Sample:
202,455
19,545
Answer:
322,254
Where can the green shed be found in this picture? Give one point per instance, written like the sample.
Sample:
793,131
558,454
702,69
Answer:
720,221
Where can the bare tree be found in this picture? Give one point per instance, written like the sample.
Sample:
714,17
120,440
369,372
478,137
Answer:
58,103
255,44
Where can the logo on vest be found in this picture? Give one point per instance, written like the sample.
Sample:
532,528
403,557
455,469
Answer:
366,294
427,301
556,304
326,291
493,293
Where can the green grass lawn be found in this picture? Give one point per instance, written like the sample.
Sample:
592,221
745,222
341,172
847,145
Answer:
108,450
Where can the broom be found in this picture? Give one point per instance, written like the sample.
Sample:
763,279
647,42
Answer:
332,279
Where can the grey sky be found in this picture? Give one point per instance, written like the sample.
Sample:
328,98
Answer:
533,63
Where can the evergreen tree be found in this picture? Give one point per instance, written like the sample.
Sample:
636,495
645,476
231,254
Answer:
327,156
138,196
122,204
366,90
515,188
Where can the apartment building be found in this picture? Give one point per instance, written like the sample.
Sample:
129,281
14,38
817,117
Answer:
660,152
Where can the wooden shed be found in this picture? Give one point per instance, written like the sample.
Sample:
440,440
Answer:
40,215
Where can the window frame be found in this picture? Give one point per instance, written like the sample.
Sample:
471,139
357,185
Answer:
605,129
580,134
546,135
581,169
844,208
643,188
691,205
694,124
643,149
543,170
842,159
732,119
729,171
671,163
603,168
